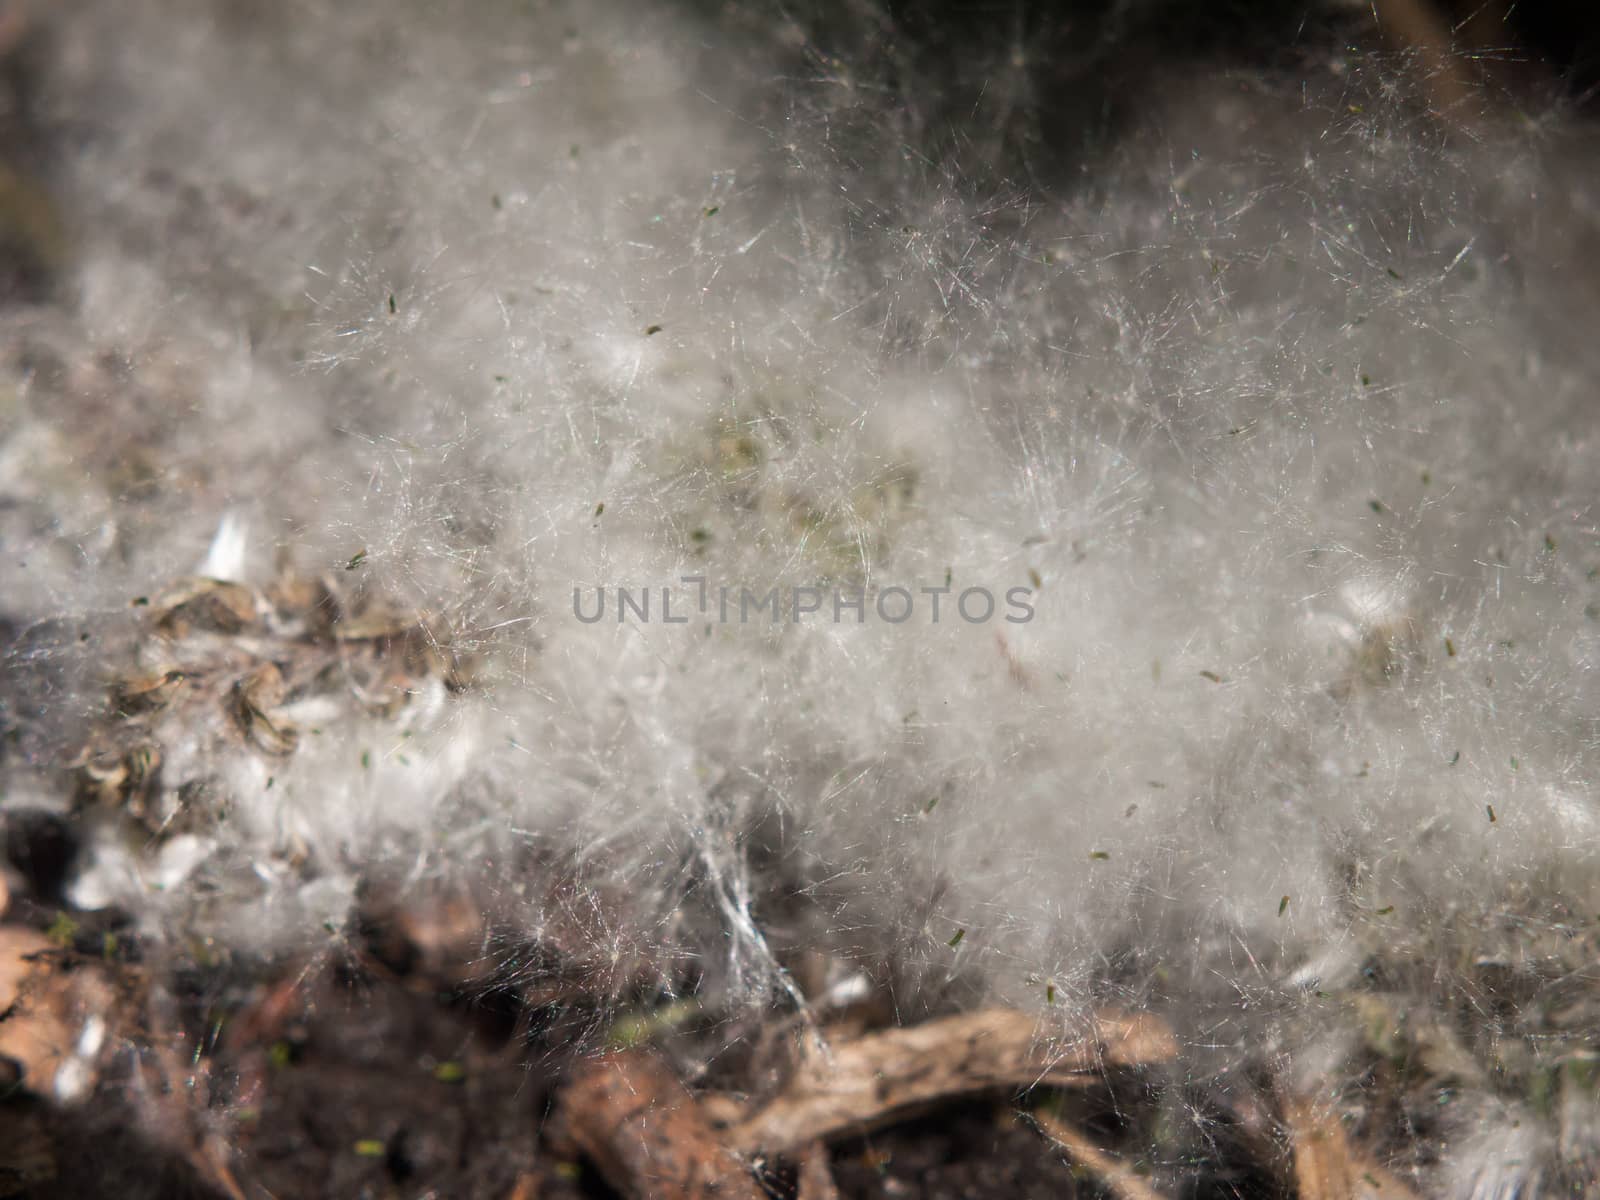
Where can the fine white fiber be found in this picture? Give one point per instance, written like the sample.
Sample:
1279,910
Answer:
1265,420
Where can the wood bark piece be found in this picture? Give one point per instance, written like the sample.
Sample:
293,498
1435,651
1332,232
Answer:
628,1114
1327,1166
1118,1178
863,1084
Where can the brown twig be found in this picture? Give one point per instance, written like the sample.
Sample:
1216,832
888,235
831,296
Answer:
865,1083
628,1114
1118,1179
815,1179
1327,1166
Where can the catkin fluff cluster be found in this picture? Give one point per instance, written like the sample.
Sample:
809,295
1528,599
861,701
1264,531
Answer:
1277,405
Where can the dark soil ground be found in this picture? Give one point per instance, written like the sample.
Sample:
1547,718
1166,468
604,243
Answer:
357,1081
380,1087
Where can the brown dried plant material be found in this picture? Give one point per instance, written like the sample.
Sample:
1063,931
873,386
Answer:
255,697
215,605
1116,1176
146,693
54,1020
628,1114
1327,1166
378,623
815,1178
124,780
219,668
863,1084
1420,27
20,954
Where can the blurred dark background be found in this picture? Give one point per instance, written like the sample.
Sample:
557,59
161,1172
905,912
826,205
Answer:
1028,85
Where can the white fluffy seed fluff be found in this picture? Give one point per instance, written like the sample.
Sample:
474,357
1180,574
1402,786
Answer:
1281,404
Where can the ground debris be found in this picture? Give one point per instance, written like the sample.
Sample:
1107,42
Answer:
1326,1165
217,667
55,1019
874,1079
629,1115
814,1180
1117,1177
